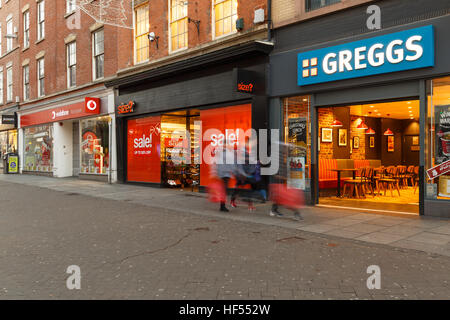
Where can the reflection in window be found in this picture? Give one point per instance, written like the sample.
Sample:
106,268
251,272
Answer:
38,148
95,145
316,4
178,24
141,35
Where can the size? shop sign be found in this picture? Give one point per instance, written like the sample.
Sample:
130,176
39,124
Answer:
439,170
400,51
89,107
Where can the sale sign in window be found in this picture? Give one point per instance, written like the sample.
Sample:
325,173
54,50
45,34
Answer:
143,151
223,126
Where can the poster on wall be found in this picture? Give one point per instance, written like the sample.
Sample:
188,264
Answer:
222,126
442,116
342,138
390,144
143,150
298,136
296,172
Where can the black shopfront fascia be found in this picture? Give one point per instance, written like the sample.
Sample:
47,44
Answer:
388,87
204,82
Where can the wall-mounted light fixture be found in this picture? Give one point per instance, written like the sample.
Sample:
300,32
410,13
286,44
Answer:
152,37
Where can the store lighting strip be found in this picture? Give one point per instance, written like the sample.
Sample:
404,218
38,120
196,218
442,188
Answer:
364,209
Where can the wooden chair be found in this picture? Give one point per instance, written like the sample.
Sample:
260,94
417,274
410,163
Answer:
356,185
368,181
410,176
390,181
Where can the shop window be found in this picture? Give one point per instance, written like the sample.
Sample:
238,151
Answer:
297,137
178,24
317,4
437,150
95,145
225,16
141,33
38,148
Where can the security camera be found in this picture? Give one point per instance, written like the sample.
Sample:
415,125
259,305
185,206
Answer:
151,36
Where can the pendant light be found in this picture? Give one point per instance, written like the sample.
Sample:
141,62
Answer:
388,132
336,123
370,131
362,126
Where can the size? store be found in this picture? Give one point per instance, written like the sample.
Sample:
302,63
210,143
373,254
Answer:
376,108
69,140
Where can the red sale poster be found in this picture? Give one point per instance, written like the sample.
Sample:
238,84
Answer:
223,125
143,158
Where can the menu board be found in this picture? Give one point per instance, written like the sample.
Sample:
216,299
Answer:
442,144
298,136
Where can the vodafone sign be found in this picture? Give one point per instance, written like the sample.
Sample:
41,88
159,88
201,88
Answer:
89,107
92,105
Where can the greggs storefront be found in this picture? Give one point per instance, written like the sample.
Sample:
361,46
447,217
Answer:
73,139
377,111
169,127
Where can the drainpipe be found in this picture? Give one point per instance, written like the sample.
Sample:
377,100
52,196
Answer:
269,20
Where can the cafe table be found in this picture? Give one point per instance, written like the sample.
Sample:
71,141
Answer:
339,178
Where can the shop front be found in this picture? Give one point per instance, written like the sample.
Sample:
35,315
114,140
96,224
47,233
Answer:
169,127
68,140
376,108
8,134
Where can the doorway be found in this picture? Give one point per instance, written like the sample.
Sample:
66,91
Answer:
369,156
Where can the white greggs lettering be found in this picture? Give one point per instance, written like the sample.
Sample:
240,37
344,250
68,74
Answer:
143,143
231,138
395,52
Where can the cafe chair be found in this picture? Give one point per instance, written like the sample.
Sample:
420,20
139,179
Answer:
410,176
356,185
389,181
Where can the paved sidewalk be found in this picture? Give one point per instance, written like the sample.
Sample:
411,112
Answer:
426,234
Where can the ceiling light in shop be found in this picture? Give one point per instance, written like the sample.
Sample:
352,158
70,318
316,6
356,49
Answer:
409,107
388,132
362,126
336,123
370,131
372,106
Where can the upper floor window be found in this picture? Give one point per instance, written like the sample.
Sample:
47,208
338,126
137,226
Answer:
9,32
225,16
71,64
178,24
316,4
1,86
41,77
26,83
141,33
1,36
9,84
98,53
41,20
70,6
26,29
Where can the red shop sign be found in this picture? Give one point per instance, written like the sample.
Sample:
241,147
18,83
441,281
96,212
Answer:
126,108
77,110
439,170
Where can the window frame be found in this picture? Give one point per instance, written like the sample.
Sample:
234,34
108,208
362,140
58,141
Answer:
40,20
70,6
71,66
9,85
213,22
26,29
143,35
40,86
170,22
26,82
9,30
95,55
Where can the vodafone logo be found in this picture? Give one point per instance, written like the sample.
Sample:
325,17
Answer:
92,105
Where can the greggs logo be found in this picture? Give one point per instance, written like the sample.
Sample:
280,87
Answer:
245,87
405,50
126,108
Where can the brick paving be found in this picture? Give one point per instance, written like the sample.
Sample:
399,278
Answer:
130,250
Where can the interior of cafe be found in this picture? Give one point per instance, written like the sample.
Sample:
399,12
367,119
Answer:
369,156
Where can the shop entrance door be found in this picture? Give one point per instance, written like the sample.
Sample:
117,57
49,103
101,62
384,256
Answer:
368,156
179,168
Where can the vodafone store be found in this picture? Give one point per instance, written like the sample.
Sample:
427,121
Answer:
72,139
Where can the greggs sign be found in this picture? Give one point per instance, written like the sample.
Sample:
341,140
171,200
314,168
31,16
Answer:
89,107
405,50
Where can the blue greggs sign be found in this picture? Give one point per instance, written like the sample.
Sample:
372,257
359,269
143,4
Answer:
404,50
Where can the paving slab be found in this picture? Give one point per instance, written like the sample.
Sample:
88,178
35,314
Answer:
379,237
431,238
